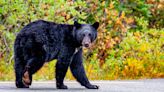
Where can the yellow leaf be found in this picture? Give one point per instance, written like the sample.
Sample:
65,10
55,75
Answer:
103,3
111,5
122,15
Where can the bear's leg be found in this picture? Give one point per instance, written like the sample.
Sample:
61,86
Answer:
19,67
32,66
62,65
61,69
78,71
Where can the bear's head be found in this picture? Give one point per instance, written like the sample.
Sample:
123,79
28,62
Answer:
85,34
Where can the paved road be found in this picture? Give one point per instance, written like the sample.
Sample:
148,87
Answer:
153,85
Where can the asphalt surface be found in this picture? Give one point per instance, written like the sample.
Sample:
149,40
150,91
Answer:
149,85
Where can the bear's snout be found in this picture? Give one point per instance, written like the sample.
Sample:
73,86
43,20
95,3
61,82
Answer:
86,42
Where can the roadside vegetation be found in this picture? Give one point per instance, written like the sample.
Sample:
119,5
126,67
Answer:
130,42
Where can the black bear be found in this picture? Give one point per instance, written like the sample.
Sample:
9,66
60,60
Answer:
42,41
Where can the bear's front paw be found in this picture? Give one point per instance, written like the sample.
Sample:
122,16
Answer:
90,86
62,86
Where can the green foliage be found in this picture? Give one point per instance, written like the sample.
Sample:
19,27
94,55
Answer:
130,37
139,55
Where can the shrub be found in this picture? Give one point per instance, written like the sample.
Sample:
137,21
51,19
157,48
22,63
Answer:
129,43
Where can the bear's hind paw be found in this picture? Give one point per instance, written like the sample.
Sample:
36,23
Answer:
26,79
62,87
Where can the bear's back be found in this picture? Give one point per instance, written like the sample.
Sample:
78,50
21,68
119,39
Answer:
45,32
36,25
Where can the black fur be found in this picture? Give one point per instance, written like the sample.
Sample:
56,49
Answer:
42,41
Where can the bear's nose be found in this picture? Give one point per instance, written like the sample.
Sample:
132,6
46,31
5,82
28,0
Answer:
86,45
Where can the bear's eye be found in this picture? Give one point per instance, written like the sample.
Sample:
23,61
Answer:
83,35
89,34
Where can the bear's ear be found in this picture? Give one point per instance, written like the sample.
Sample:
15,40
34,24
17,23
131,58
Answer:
96,25
76,24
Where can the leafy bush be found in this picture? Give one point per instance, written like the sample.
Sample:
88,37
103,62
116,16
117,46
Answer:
130,37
